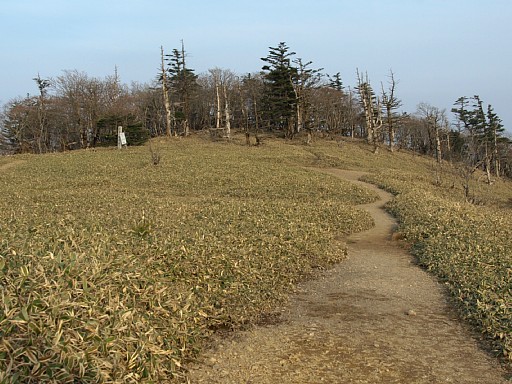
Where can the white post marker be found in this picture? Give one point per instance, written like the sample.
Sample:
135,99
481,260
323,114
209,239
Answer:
121,138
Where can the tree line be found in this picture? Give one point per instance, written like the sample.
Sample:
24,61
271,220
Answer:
288,97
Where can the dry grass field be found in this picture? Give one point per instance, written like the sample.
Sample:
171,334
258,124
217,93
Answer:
113,269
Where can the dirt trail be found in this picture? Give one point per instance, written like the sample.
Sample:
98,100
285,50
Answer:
375,318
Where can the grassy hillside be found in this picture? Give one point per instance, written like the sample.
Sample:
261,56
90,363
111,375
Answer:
114,269
467,246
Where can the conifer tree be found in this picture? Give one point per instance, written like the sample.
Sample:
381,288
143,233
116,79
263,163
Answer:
483,135
183,84
279,95
462,113
335,82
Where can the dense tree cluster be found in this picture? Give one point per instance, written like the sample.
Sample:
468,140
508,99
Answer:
72,111
288,97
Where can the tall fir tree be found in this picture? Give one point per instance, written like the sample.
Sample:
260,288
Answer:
279,94
183,84
335,82
484,134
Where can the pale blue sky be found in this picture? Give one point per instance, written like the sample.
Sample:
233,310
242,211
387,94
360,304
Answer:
438,49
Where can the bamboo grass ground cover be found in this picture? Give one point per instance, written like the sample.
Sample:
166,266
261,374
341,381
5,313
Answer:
116,270
467,246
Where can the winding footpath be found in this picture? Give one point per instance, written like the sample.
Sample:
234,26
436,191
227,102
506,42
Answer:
375,318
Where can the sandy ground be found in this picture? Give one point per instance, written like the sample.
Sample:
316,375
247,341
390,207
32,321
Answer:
375,318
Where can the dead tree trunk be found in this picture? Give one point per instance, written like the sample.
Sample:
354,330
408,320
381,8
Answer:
497,165
218,113
372,111
438,143
186,100
167,100
227,113
391,104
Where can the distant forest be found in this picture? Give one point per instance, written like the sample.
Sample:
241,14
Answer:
288,97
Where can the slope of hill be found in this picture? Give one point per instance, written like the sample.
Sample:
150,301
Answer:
116,269
374,318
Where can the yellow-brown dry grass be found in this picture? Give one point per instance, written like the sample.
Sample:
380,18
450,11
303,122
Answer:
113,269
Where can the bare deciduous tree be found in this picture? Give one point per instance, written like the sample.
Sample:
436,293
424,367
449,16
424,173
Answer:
435,123
304,80
225,83
391,103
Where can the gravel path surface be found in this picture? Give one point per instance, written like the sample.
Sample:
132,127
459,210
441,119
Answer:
375,318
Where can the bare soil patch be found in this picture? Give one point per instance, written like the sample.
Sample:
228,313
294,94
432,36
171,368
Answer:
375,318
